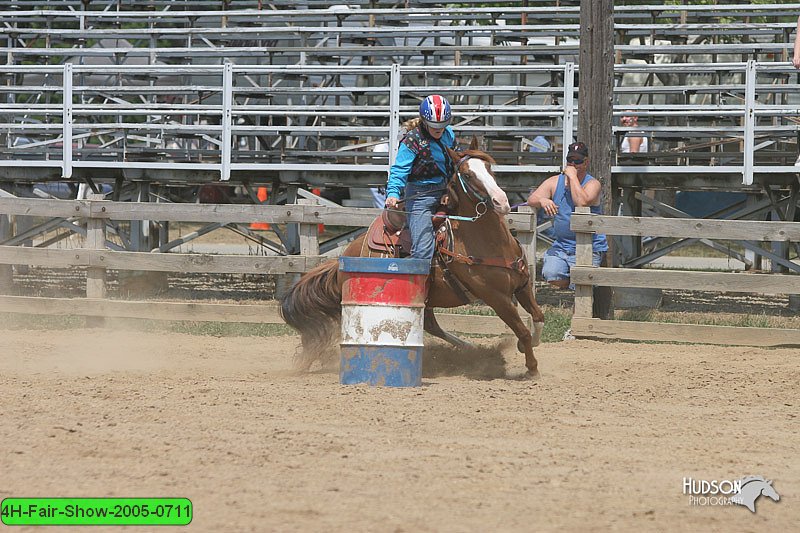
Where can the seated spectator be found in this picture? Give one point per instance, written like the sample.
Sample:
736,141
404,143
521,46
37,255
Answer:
634,141
559,195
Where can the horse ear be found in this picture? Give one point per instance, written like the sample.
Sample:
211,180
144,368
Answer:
474,144
453,154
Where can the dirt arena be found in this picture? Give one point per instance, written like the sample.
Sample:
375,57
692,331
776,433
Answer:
602,442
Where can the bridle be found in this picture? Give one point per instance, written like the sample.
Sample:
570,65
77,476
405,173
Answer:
518,264
481,201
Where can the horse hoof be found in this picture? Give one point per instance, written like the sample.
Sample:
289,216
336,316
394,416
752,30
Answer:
532,376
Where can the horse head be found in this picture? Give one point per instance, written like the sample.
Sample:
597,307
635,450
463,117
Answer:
769,491
752,488
473,181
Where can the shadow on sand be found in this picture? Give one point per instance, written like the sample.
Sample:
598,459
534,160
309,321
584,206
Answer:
440,359
481,362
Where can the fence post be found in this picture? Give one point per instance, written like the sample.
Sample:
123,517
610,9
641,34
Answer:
6,271
95,276
527,240
583,258
95,240
308,243
309,233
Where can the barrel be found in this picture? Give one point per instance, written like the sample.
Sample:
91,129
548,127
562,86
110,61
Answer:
383,307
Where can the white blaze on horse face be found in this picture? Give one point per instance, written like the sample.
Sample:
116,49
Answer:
499,198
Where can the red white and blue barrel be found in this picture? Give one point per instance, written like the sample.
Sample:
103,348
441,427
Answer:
383,307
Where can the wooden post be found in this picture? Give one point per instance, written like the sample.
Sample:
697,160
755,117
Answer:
23,223
95,276
595,106
308,243
790,216
583,258
6,271
309,233
528,241
627,246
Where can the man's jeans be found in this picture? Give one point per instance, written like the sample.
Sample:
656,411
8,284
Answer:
421,202
557,264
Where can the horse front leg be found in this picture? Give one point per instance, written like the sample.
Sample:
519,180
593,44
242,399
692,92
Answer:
528,302
507,311
433,327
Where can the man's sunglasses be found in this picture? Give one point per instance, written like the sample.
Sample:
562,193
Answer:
576,161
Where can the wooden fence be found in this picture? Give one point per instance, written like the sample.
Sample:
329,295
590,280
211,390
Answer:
585,276
98,259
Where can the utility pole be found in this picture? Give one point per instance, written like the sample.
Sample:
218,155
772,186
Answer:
595,105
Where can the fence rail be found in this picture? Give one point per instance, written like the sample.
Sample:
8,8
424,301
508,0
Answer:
585,277
98,260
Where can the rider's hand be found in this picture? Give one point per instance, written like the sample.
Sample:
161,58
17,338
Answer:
391,202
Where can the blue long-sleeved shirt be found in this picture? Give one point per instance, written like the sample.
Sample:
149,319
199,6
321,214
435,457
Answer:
421,159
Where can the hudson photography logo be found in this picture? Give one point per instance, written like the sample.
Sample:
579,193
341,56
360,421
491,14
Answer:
744,491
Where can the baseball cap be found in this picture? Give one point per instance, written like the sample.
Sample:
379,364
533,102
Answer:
577,150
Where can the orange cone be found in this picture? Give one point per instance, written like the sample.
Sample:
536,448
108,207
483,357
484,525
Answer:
262,197
320,227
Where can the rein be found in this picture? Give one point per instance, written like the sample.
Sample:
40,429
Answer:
481,202
478,212
520,264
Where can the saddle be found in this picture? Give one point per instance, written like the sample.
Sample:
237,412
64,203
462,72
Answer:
389,235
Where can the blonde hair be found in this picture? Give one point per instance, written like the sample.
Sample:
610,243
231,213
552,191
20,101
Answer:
410,124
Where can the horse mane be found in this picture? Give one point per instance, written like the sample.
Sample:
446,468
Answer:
477,154
748,479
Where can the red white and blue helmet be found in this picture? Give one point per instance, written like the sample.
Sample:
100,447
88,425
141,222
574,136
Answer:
435,111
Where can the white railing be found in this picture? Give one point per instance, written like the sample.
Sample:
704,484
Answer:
229,118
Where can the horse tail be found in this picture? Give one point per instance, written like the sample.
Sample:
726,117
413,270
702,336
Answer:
313,306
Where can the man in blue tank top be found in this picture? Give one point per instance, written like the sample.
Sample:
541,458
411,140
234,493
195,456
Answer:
558,196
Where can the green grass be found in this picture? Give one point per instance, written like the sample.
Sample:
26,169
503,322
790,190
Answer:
556,323
231,329
727,319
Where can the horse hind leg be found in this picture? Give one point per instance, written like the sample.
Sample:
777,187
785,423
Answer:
507,311
528,302
433,327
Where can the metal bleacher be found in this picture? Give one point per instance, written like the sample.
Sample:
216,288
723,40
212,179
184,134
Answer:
296,93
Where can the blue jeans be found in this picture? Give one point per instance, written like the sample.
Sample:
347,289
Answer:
557,264
421,202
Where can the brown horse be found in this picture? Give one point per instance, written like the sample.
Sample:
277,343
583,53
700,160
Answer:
484,262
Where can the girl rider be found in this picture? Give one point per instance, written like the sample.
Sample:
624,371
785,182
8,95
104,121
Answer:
421,170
